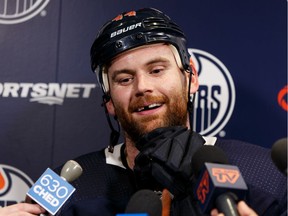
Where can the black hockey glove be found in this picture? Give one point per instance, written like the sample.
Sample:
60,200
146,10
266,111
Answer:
165,156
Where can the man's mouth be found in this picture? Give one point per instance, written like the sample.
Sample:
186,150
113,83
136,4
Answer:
149,107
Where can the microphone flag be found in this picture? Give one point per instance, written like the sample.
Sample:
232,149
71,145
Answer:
216,179
50,191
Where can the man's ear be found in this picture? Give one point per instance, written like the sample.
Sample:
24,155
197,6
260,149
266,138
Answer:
194,83
110,107
194,79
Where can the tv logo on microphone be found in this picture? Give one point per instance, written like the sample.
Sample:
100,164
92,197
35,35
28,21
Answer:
226,175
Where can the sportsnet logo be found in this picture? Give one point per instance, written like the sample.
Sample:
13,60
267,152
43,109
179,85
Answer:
215,99
46,93
13,185
12,12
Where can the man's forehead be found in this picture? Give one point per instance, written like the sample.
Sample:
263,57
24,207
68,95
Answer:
153,50
170,52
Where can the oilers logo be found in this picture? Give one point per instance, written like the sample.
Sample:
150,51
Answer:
282,98
14,185
215,99
12,12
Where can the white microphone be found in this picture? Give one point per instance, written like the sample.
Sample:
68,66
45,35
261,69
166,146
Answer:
71,171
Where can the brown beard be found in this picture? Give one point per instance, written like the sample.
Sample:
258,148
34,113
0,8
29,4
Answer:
175,115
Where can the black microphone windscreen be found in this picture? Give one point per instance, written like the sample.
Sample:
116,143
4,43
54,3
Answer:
145,201
210,154
279,154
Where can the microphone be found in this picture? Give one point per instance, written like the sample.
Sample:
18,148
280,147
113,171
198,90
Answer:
71,171
51,191
219,185
143,203
279,155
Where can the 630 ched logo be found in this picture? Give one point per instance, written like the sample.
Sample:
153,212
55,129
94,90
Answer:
215,99
14,185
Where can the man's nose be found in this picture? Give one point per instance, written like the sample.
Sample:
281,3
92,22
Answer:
143,84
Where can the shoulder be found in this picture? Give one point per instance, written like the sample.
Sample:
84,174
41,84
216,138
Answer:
243,152
103,185
249,157
102,173
95,161
91,158
267,186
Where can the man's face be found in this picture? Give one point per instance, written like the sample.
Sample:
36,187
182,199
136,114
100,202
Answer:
148,90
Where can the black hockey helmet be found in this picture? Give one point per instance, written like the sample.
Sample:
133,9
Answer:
133,29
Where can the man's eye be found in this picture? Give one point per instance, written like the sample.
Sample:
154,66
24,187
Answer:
156,71
125,81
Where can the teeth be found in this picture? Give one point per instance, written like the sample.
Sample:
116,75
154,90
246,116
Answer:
140,109
153,105
149,107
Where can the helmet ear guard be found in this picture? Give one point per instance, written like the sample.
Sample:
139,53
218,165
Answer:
178,60
102,78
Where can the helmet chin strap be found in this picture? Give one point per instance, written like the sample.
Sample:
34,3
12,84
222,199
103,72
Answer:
190,107
115,134
191,98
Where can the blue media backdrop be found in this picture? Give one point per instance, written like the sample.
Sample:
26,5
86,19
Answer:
51,104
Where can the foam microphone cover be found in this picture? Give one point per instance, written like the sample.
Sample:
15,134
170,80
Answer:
71,171
145,201
279,155
208,153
